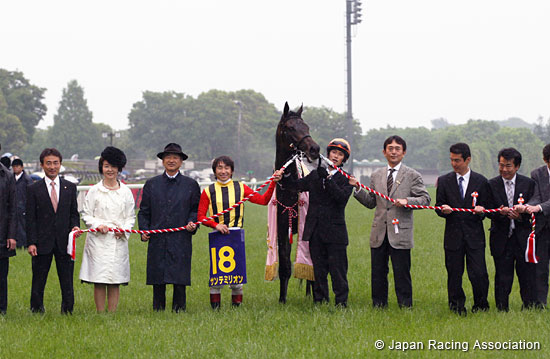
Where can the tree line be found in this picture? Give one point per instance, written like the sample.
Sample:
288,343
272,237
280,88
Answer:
208,126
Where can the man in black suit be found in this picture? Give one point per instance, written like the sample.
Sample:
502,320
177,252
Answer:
540,205
510,229
325,227
52,213
464,233
8,228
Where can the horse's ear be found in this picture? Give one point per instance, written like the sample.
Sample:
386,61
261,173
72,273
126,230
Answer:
285,112
300,110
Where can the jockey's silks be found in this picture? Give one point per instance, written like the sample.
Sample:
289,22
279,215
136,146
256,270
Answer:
224,196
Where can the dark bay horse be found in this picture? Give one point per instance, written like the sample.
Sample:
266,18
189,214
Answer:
292,136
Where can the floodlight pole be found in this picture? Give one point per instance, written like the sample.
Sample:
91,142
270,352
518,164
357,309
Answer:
353,17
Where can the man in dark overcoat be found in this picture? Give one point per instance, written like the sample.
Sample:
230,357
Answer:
8,226
170,200
22,180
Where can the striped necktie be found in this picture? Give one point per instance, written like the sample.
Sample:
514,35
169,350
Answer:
390,180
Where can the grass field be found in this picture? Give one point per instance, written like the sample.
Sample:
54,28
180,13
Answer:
262,328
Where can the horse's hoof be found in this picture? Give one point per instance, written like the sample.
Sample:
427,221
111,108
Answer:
282,300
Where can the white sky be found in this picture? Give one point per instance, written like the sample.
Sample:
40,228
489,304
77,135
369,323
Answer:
413,60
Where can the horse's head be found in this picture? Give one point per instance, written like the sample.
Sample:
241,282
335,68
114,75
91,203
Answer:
293,134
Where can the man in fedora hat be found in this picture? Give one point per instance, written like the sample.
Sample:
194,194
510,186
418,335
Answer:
170,200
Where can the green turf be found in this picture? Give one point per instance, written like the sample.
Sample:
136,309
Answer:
262,328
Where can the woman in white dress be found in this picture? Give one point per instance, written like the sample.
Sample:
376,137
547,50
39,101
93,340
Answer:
108,204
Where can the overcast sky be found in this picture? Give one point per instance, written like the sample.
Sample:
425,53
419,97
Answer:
413,61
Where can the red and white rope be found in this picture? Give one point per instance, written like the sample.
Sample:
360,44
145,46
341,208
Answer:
530,255
178,229
414,206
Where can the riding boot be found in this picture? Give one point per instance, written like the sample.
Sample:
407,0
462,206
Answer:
236,300
284,287
215,300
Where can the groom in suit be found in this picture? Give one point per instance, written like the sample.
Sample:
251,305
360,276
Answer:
510,229
388,239
464,234
52,213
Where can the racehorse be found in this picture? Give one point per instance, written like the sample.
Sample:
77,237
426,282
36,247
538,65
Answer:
292,136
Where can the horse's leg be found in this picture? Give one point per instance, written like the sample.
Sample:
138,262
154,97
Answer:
309,288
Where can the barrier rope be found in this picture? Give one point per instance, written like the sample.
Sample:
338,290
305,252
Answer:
413,206
530,256
178,229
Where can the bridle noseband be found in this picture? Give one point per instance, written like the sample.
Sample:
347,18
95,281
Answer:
297,146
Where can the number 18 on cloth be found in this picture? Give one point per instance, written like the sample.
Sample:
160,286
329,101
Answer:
227,258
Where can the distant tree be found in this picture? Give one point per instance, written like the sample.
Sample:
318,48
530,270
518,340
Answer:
326,124
23,100
439,123
12,133
73,131
154,121
542,129
214,129
40,140
515,122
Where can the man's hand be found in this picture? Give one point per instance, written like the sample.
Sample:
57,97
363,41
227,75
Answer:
446,209
400,202
145,237
354,182
513,214
32,250
11,244
504,210
479,209
277,175
222,228
191,227
532,209
520,208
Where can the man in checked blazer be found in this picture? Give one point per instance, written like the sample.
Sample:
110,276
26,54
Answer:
464,233
52,213
386,239
540,204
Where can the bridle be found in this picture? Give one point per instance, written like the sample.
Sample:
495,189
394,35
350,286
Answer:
293,144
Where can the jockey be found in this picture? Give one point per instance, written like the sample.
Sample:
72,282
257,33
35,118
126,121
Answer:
222,194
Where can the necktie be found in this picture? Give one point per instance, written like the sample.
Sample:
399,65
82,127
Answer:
54,197
460,180
390,179
510,197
